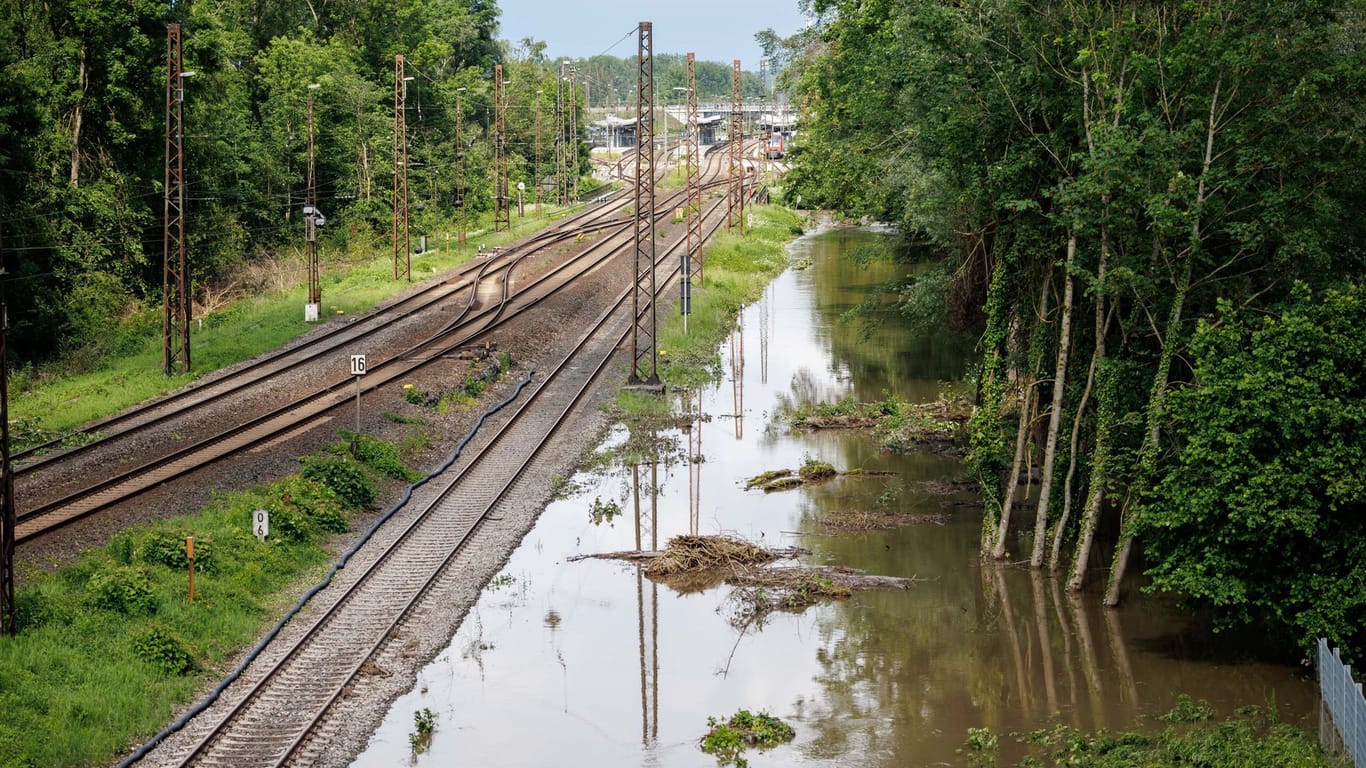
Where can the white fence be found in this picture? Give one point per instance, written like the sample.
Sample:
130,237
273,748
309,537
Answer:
1343,726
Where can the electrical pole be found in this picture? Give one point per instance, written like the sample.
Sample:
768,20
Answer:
693,266
536,156
643,355
574,130
561,196
735,190
459,170
175,281
502,215
8,514
315,288
763,110
401,172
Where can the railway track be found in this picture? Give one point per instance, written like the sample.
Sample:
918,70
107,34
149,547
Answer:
474,320
282,716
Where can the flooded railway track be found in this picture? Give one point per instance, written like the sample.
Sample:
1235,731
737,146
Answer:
277,713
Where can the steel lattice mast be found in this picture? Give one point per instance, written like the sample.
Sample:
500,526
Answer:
561,195
644,359
459,170
692,273
401,172
735,190
8,514
502,216
175,283
315,289
572,155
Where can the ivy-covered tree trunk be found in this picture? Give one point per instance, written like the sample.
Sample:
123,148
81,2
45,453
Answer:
1105,420
1029,404
1055,416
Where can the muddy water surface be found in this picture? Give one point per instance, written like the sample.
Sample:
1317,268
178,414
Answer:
590,664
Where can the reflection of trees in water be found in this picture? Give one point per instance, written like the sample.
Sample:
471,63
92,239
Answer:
903,676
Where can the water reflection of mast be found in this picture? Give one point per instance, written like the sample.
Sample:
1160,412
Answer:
737,374
649,672
765,306
695,465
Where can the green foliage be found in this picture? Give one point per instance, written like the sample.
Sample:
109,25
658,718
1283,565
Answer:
729,739
424,725
379,455
167,547
1260,517
344,477
124,589
163,649
96,675
604,512
1253,737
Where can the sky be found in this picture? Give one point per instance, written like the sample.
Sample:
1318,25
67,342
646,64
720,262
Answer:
716,30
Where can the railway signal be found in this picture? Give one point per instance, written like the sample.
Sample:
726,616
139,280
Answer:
312,220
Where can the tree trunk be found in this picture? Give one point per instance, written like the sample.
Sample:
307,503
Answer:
76,115
1148,452
1028,408
1094,499
1098,353
1055,417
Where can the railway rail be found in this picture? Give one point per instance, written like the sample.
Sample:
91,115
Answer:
282,716
473,321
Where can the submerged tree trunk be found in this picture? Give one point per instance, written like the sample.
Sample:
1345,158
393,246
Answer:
1060,527
1096,497
1028,406
1055,417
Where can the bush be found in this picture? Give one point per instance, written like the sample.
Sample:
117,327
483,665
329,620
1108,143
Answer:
344,477
168,548
382,456
161,648
121,588
320,506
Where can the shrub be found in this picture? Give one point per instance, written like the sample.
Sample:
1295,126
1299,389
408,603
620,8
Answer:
121,588
168,548
382,456
163,649
344,477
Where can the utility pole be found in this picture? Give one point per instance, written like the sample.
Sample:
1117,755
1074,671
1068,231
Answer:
693,265
175,280
315,288
459,170
536,156
502,216
574,130
764,110
8,514
643,355
561,195
735,190
401,172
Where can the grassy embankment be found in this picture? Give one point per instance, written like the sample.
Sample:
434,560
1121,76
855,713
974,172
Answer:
737,268
1254,736
53,403
110,648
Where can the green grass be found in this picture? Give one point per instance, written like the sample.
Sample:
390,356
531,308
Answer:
110,648
737,268
1254,736
353,281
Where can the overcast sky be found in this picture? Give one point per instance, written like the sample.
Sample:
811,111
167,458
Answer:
716,30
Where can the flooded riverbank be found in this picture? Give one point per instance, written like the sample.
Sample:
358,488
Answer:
589,663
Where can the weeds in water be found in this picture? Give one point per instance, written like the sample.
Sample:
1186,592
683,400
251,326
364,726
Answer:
424,725
728,740
603,512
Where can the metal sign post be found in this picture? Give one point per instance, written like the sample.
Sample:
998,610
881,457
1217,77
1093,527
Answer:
357,370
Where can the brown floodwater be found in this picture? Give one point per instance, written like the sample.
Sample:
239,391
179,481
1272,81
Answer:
590,664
